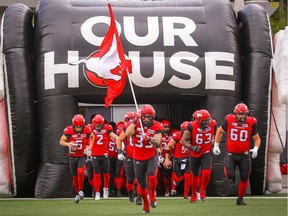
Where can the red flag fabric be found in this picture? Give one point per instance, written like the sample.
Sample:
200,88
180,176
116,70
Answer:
112,63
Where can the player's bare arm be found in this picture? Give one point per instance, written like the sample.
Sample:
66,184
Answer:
257,140
219,134
171,143
130,130
120,139
64,141
186,137
92,138
113,135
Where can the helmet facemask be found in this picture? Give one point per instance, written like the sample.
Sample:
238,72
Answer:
241,117
147,120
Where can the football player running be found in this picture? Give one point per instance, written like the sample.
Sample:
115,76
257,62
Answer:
147,152
240,128
126,146
200,134
163,172
181,162
100,159
76,137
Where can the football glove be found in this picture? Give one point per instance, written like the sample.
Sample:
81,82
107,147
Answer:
254,151
87,152
216,149
195,148
120,155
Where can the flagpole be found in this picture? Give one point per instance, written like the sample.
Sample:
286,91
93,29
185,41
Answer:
134,98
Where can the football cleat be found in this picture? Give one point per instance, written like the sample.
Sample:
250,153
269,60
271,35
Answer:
167,194
97,196
198,196
81,194
154,204
240,201
146,211
173,192
203,195
76,199
138,200
105,193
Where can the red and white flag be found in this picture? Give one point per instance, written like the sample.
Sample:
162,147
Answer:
112,62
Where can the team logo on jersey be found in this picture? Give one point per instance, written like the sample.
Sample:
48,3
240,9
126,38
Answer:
244,125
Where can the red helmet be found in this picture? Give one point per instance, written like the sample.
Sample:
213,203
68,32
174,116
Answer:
166,123
147,111
241,109
78,121
98,121
120,124
129,116
203,118
184,125
194,115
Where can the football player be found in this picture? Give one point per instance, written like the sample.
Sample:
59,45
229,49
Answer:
116,168
181,162
198,137
128,149
76,137
164,173
147,137
240,128
99,153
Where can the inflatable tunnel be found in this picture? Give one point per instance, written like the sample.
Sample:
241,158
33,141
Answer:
186,55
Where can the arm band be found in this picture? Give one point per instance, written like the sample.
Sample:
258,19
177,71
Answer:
157,146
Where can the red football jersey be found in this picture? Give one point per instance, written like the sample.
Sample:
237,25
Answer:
143,149
112,150
81,139
202,138
165,141
101,141
238,135
180,151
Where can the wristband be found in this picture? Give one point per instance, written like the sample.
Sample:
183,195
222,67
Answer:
216,144
168,152
157,146
119,151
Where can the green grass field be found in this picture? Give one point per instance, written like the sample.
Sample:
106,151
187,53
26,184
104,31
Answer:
262,206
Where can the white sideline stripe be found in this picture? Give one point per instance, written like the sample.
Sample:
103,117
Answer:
158,198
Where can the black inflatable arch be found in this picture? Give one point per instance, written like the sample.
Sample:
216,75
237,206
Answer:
20,97
185,56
